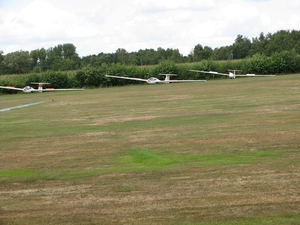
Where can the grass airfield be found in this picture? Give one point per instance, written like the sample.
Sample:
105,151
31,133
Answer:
221,152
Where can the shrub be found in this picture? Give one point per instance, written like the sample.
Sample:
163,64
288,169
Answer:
56,79
285,62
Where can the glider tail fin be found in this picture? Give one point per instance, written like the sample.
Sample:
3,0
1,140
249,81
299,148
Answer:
167,78
40,85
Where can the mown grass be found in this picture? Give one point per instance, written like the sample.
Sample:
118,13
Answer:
221,152
137,160
266,220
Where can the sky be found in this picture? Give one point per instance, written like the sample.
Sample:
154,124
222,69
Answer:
95,26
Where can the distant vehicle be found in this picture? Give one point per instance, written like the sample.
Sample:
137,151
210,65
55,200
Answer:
154,80
232,74
28,89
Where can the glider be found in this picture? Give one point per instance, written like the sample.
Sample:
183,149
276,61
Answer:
232,74
154,80
28,89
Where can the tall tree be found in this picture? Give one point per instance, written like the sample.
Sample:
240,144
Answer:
283,40
122,54
222,53
18,62
258,44
69,51
197,53
2,65
176,57
241,47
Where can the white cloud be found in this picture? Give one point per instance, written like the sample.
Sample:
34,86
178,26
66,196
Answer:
149,5
104,26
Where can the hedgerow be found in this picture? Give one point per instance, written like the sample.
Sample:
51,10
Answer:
278,63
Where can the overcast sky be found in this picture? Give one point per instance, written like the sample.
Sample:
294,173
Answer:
95,26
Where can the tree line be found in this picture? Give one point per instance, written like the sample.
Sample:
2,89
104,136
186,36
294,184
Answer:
64,57
94,76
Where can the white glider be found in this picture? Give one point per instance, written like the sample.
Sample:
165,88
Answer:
154,80
28,89
232,74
